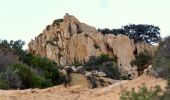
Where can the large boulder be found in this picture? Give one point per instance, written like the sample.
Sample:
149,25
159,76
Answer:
99,79
79,79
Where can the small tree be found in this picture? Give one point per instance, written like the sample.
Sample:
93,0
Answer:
142,60
141,32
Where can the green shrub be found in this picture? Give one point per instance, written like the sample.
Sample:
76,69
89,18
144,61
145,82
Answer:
95,61
3,83
76,63
57,21
166,95
6,58
45,68
48,27
142,60
28,71
161,61
105,64
28,76
12,78
111,71
142,94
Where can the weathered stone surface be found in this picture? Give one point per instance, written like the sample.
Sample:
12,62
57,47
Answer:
79,79
99,79
72,40
123,50
149,71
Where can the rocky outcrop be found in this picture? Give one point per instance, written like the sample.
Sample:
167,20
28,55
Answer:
68,40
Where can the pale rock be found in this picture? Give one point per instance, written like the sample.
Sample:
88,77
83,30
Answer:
82,27
72,40
101,74
73,28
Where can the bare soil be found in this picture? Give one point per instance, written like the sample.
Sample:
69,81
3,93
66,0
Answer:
78,92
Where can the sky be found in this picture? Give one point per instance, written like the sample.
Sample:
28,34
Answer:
25,19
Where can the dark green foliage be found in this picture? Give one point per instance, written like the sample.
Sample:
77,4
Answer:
142,60
48,27
57,21
28,71
125,77
28,76
111,71
6,58
56,39
105,64
13,47
142,94
60,55
145,94
161,61
76,63
95,61
166,94
111,31
16,46
96,46
12,78
141,32
46,68
3,83
51,42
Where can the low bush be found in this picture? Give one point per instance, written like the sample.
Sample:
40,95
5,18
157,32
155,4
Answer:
48,27
3,83
142,61
142,94
20,69
105,64
28,76
76,63
45,68
155,93
12,78
161,61
6,58
94,62
57,21
111,71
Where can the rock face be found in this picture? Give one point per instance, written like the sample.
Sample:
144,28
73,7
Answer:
68,40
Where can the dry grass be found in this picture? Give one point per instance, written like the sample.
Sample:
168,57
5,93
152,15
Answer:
111,92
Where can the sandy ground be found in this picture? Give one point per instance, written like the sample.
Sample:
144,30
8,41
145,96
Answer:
111,92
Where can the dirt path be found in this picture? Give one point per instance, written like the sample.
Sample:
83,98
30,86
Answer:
111,92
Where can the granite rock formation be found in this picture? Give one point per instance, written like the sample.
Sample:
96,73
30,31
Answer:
67,40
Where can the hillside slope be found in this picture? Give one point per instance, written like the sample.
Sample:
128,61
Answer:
111,92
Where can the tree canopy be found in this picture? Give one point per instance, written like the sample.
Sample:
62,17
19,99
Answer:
141,32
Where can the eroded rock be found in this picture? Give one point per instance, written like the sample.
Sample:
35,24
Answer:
70,40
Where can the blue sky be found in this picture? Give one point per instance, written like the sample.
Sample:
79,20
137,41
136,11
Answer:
25,19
